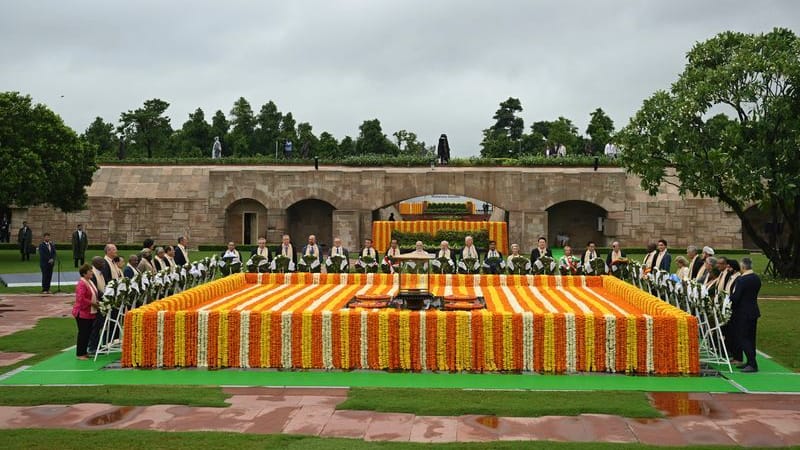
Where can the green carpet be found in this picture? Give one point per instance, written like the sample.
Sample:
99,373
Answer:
65,369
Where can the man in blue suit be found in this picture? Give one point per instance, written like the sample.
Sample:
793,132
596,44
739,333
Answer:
745,314
47,259
663,259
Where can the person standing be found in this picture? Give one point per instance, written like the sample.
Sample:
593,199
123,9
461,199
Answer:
80,242
85,309
5,229
25,241
181,252
216,149
745,313
47,259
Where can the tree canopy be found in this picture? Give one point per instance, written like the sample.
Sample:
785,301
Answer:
729,128
42,161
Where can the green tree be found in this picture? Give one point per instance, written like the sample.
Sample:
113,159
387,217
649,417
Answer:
243,124
42,161
328,146
305,136
371,139
563,131
288,130
747,153
408,144
147,127
219,128
268,128
195,135
502,138
600,130
100,137
347,147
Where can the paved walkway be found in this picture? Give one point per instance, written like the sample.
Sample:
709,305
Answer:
692,419
722,419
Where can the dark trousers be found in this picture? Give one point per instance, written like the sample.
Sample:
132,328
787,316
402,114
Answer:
731,341
26,256
746,336
47,276
79,259
84,331
95,338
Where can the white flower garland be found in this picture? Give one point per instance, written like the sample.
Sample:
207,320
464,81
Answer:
527,341
327,343
364,343
286,339
571,337
611,343
503,281
650,363
559,284
244,338
423,341
202,339
160,334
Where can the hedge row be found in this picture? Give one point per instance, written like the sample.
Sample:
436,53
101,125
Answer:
455,238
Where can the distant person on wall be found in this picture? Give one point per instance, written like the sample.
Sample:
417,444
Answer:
5,229
80,242
25,241
443,150
562,150
287,149
391,217
47,259
216,149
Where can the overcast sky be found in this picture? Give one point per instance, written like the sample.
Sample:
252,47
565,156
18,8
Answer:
432,67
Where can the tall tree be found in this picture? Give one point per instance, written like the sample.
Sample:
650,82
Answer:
195,135
41,159
243,125
328,146
288,131
371,139
219,128
502,138
100,136
744,155
149,127
347,147
408,144
307,141
268,128
563,131
600,130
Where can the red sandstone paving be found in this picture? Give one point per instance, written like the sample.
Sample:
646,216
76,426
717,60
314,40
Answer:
9,358
309,420
347,424
699,430
608,428
556,428
390,427
477,428
656,432
434,429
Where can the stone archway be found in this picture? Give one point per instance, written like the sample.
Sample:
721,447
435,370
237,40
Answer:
245,221
763,225
310,216
580,220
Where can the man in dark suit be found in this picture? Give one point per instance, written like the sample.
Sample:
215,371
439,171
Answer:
745,313
181,253
5,229
47,259
541,249
338,250
662,260
131,268
493,266
312,248
261,249
79,244
25,241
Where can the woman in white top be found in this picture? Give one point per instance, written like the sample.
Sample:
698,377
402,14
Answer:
683,268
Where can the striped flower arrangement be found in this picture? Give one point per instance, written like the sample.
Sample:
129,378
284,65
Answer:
545,324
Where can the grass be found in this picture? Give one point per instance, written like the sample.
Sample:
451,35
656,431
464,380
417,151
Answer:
778,330
455,402
134,440
46,339
137,395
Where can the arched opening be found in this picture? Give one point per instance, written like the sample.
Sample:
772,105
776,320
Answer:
311,216
764,225
245,221
578,221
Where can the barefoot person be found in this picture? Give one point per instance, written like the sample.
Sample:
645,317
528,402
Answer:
84,310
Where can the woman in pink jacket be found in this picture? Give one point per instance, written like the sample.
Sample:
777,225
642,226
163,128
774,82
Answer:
85,309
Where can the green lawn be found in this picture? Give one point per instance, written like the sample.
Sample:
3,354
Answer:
46,339
455,402
135,440
136,395
778,330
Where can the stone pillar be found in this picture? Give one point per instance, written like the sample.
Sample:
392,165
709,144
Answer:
347,226
277,224
524,227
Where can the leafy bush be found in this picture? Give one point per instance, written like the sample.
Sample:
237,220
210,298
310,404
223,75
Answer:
455,238
447,208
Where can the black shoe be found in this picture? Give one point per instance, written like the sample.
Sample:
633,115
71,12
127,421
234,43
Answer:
742,365
749,369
